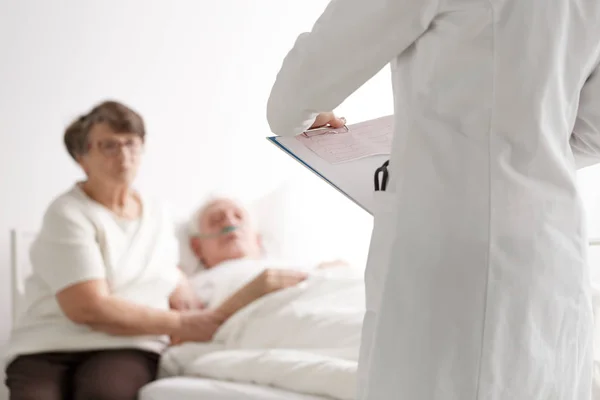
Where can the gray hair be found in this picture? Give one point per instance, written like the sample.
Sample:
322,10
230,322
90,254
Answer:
120,118
194,222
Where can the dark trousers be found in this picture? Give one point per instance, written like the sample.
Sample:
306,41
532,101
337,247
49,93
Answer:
90,375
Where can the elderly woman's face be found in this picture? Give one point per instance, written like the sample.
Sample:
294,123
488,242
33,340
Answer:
112,157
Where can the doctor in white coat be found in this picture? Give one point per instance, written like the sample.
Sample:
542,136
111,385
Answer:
477,282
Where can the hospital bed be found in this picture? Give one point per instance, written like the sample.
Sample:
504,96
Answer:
184,388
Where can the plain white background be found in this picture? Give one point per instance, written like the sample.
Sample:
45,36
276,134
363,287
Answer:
200,73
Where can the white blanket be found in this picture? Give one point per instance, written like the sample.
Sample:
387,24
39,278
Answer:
304,339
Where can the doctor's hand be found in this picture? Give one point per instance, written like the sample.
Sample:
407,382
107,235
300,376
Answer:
197,326
328,119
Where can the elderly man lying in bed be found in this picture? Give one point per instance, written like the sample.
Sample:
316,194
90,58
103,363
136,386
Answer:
290,326
227,244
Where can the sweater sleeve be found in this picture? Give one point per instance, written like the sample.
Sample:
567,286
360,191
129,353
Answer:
66,252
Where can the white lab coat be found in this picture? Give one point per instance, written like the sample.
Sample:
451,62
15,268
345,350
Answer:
477,281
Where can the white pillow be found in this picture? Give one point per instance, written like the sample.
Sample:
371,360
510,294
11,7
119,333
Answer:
308,221
188,262
270,213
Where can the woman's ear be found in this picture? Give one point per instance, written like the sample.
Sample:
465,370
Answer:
81,161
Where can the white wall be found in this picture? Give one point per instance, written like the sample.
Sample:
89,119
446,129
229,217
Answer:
199,71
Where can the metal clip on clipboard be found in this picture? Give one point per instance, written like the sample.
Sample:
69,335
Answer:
324,130
383,171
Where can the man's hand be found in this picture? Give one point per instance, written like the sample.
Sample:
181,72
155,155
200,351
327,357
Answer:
198,326
333,264
268,281
328,119
272,280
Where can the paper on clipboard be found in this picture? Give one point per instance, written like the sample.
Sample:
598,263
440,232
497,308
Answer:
354,178
345,144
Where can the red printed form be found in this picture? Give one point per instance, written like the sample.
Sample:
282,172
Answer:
357,141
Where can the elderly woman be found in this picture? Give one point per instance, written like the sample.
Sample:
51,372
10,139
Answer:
105,294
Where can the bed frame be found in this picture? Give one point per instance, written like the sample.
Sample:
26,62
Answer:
20,267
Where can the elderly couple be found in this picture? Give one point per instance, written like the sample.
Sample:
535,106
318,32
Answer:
106,295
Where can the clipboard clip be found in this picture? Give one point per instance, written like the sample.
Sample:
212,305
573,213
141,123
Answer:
383,171
324,130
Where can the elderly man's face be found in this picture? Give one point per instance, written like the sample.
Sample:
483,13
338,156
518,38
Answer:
212,247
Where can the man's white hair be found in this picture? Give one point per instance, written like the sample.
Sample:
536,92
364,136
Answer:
194,223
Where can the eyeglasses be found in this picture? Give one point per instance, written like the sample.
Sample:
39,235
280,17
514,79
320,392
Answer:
112,148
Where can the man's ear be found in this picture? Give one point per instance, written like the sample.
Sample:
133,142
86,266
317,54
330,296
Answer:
196,247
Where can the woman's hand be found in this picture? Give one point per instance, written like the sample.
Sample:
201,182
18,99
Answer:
328,119
198,326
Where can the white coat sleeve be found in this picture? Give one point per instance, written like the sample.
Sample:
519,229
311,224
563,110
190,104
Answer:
585,139
350,42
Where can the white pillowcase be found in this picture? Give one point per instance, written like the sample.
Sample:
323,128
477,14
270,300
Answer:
309,222
188,262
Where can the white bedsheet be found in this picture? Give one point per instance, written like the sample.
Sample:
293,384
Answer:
304,339
184,388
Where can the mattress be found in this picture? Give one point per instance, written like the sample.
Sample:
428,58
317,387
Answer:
187,388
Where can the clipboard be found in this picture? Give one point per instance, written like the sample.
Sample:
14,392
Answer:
354,179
